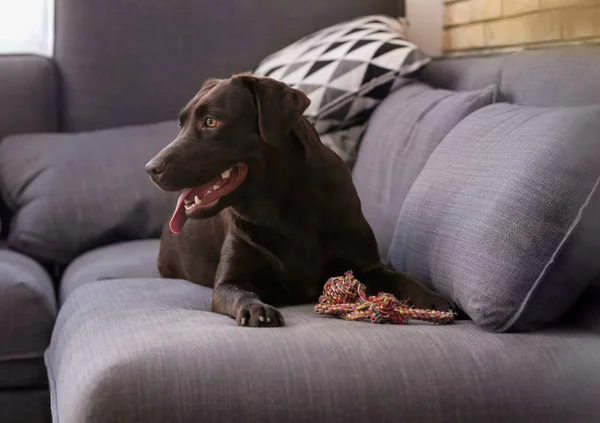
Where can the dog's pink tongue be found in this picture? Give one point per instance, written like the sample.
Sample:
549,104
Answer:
179,217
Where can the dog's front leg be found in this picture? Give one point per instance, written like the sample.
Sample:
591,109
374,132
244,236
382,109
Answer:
236,292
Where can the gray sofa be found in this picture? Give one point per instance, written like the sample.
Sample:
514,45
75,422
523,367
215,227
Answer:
100,338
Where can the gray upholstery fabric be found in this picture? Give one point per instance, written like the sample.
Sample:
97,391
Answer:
134,259
28,95
463,73
123,64
503,217
561,76
28,100
27,313
74,192
401,135
148,351
25,406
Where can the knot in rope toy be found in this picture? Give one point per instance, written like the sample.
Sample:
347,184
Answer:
345,297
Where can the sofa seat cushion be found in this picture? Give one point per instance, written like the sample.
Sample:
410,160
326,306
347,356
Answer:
400,137
132,259
70,193
148,350
27,314
503,217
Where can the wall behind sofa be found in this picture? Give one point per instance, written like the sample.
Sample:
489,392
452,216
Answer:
480,26
425,24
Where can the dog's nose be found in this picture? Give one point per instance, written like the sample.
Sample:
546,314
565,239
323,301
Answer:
155,167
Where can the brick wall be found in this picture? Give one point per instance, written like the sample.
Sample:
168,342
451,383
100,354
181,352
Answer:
479,26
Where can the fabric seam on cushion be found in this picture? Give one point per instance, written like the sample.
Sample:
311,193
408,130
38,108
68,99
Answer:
552,259
53,393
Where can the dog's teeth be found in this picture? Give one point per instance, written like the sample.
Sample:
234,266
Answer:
197,200
226,174
215,187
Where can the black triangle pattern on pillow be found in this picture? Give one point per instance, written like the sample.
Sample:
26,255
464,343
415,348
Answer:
360,43
380,91
373,72
318,64
335,45
272,70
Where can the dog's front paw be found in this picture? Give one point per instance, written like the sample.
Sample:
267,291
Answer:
259,315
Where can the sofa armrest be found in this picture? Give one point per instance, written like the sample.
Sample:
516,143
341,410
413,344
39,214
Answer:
28,95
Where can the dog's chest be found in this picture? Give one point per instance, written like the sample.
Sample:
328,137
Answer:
300,270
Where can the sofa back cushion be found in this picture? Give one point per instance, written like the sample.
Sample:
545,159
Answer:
503,217
28,101
131,62
563,76
73,192
400,137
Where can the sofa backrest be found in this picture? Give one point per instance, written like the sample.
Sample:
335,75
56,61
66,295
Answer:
562,77
28,95
137,61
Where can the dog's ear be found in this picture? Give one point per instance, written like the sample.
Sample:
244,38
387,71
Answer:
279,106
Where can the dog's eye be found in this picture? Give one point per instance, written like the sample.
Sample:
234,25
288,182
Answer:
210,122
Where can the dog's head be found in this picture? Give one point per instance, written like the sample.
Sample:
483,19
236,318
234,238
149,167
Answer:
227,130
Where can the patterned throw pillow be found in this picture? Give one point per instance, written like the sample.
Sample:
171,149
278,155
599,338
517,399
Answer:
346,69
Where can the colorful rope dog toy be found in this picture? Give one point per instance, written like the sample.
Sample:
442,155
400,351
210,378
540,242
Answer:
345,296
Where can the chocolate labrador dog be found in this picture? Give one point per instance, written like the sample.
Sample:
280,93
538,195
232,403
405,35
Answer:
267,211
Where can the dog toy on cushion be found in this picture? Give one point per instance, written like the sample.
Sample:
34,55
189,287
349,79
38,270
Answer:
345,296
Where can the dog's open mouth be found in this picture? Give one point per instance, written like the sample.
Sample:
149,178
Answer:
195,200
